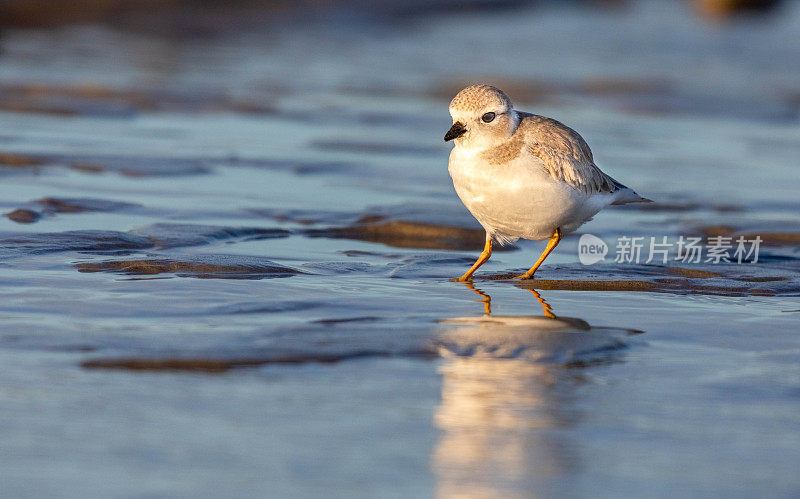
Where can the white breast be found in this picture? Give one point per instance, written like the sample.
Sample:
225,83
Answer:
519,199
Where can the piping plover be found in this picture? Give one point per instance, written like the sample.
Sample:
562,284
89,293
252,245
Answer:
523,175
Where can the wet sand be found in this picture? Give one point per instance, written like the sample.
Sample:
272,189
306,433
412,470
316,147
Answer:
227,262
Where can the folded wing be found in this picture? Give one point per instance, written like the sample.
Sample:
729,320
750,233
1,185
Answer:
568,158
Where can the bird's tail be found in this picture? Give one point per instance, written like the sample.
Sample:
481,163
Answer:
628,195
625,195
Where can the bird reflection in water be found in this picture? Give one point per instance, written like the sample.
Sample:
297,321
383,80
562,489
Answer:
507,398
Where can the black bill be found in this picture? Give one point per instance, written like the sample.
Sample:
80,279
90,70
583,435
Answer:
457,130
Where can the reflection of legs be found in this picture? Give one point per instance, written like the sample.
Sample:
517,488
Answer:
546,308
486,299
551,245
487,252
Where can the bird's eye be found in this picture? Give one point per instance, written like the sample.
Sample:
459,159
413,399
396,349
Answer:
487,117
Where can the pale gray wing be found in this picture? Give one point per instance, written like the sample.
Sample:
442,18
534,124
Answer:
565,154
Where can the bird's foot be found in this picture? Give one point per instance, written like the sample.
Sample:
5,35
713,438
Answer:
523,276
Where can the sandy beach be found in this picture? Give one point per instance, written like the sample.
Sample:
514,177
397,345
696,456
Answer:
226,259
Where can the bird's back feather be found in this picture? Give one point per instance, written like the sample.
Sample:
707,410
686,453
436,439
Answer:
564,154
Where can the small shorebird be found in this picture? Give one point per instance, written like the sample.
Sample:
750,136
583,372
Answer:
522,175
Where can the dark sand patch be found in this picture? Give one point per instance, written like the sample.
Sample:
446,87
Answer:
19,160
202,267
717,10
724,280
404,234
211,365
761,279
359,253
696,273
51,206
80,205
23,216
425,226
677,286
419,225
346,320
94,100
772,238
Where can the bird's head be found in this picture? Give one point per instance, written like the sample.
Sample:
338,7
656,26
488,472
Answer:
482,117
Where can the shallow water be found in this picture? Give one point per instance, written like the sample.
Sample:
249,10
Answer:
227,265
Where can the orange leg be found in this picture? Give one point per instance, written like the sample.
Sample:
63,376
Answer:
485,254
551,245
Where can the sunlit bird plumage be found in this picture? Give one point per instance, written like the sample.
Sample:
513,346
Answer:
523,176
